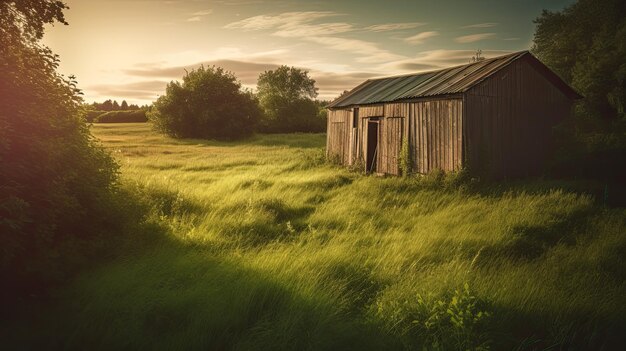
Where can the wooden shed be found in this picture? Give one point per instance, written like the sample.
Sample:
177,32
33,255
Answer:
495,116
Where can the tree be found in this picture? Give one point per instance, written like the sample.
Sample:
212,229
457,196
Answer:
585,44
116,106
55,181
124,105
107,105
209,103
589,53
285,96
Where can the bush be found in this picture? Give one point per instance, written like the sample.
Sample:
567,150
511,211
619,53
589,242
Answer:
455,322
209,104
130,116
57,185
91,115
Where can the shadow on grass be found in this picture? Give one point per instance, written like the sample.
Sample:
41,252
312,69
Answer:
180,297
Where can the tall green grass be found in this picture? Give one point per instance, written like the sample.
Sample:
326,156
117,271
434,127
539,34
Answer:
261,245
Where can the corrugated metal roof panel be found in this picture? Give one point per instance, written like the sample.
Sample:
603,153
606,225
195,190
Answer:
451,80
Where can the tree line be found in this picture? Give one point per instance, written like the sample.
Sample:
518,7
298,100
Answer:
113,105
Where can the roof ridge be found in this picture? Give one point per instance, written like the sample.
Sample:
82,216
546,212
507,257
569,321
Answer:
452,67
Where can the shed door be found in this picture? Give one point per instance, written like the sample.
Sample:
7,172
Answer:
390,145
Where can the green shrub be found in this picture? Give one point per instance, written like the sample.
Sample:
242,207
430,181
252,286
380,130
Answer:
58,194
406,166
91,115
208,104
455,322
130,116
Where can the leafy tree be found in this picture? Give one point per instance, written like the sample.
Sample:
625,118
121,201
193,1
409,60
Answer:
55,181
116,106
589,53
209,103
285,96
585,44
124,105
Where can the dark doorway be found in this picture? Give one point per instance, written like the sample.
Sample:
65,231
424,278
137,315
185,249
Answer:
372,145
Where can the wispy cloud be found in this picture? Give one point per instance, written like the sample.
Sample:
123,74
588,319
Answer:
197,16
301,25
481,25
281,21
511,39
474,37
306,30
393,26
420,37
370,51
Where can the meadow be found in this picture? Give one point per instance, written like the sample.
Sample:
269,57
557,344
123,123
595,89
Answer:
262,244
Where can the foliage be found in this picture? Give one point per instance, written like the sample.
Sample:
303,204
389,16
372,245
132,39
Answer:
285,96
589,54
208,104
57,185
112,105
456,322
91,115
131,116
406,163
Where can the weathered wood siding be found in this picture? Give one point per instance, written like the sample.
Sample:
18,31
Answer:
509,119
338,136
436,135
432,127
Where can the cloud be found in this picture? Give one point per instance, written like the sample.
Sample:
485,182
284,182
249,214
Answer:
301,25
305,30
420,37
370,51
416,66
282,21
146,90
511,39
393,26
474,37
246,72
481,25
202,13
197,16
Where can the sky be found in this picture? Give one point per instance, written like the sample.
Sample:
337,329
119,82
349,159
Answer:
130,49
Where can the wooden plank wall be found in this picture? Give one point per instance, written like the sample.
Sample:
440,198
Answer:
509,120
338,135
436,135
390,135
433,127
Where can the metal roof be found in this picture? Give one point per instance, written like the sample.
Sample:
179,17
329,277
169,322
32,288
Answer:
446,81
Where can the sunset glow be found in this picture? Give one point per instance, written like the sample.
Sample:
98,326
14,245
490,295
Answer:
131,49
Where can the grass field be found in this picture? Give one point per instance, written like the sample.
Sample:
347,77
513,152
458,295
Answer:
262,245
